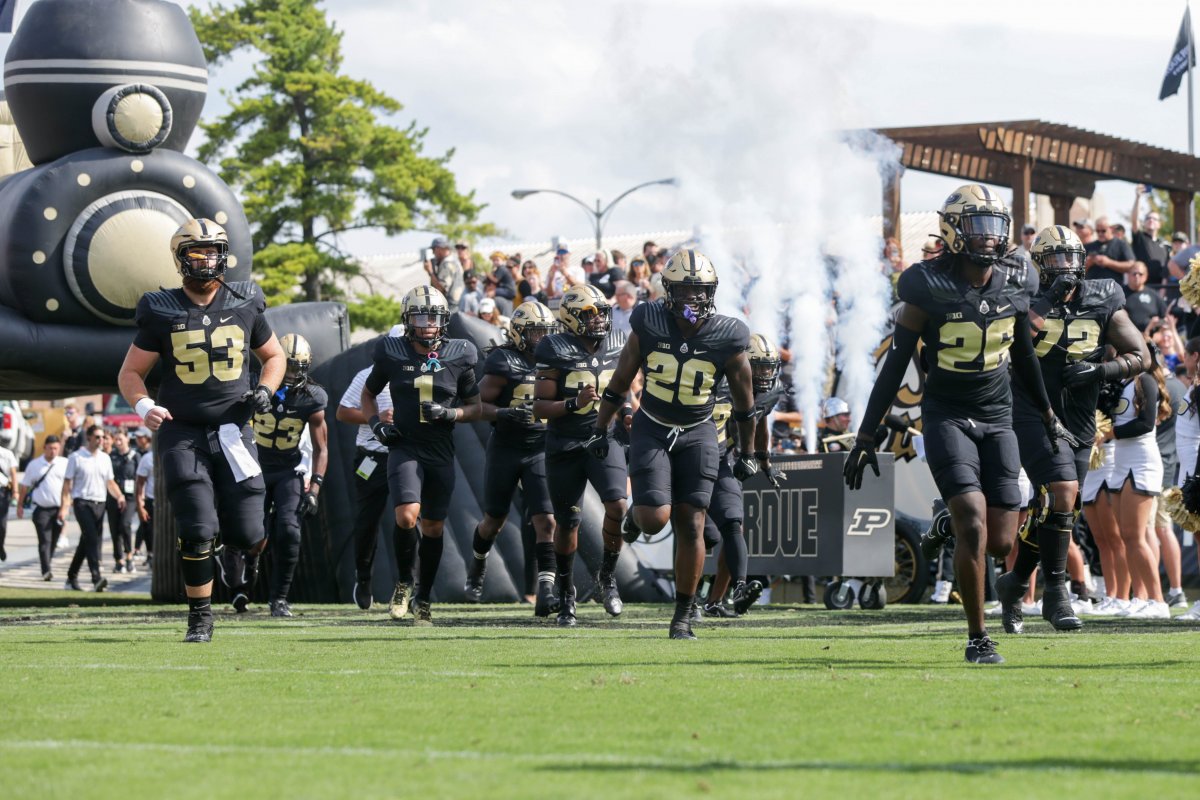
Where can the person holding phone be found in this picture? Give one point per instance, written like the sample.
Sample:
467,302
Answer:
444,270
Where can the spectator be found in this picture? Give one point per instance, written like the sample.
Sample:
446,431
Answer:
1085,230
1171,354
1179,241
488,312
1180,262
501,278
41,485
562,275
8,480
1028,235
1108,257
605,277
145,532
932,248
649,251
471,296
1147,247
659,263
893,263
639,276
837,437
74,436
620,261
445,272
1144,306
531,283
626,296
87,482
120,518
1118,231
463,251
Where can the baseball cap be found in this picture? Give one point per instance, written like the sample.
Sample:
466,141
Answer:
141,431
461,246
497,254
1028,229
1179,236
562,250
1086,222
440,241
835,406
487,305
589,259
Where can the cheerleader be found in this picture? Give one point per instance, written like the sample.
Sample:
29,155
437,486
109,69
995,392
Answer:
1187,439
1099,511
1136,478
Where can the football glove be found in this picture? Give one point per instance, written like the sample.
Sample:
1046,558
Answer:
308,505
775,475
386,433
436,412
597,446
744,467
518,416
861,456
260,396
1063,285
1056,432
1082,374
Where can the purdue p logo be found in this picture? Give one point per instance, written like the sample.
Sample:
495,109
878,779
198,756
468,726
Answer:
868,520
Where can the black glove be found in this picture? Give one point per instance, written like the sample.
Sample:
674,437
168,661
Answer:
1056,432
597,446
744,467
260,396
435,412
861,456
308,505
1082,374
1063,285
518,416
775,475
386,433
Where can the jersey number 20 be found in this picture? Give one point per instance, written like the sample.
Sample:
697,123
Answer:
692,381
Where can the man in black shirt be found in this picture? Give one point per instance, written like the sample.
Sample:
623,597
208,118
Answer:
1108,256
1144,306
1147,247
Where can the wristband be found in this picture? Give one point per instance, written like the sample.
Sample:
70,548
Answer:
317,480
373,421
572,404
762,455
744,416
626,411
143,407
612,397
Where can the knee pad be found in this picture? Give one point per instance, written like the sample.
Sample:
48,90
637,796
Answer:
196,560
731,529
570,520
1061,520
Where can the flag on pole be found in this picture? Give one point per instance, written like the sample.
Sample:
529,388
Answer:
7,9
1180,56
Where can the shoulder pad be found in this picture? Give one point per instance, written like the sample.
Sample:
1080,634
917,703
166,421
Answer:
458,349
166,302
319,395
732,329
615,340
1102,293
248,290
554,350
653,318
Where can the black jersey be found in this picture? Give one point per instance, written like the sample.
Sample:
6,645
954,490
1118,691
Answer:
446,377
277,432
205,352
577,368
681,373
969,333
1071,334
519,374
764,404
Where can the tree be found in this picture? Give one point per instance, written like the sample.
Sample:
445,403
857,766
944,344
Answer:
312,155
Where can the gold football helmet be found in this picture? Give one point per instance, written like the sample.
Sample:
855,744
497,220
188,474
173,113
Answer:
200,233
765,363
299,359
1057,251
585,311
530,321
972,217
424,308
687,271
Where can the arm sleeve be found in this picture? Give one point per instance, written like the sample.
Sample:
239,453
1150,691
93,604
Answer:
904,342
375,381
1025,363
1144,421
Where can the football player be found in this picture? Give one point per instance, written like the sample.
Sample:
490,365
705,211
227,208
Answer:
724,519
573,368
1075,320
516,451
685,350
431,379
970,306
204,333
278,433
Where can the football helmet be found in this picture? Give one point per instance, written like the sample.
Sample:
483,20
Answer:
686,271
530,321
585,311
971,216
1057,251
200,233
422,309
765,363
299,359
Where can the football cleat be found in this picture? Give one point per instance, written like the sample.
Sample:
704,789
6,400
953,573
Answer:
681,629
422,617
719,610
1057,609
362,594
608,595
939,531
696,610
745,595
240,602
983,651
566,609
200,629
546,603
400,600
280,608
1011,593
475,574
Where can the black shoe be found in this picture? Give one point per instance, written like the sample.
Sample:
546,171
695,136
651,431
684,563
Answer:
120,567
629,529
983,651
719,610
1011,594
3,552
362,594
200,628
695,611
939,531
681,629
1057,610
608,595
566,609
422,617
73,584
547,602
47,576
745,595
100,585
475,574
280,608
240,602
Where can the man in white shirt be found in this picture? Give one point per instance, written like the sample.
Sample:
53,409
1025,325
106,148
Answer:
144,494
8,479
87,482
42,485
626,298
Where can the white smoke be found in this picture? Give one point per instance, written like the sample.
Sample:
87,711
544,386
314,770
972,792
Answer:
751,120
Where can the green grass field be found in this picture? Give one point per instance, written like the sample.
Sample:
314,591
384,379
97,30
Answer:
103,700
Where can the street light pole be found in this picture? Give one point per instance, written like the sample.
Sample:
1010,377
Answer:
600,215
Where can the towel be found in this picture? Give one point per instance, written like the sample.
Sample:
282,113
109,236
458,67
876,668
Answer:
240,461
